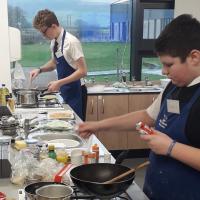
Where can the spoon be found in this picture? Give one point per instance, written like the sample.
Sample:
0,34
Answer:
127,173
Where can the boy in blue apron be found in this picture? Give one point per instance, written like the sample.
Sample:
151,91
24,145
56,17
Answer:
174,170
67,59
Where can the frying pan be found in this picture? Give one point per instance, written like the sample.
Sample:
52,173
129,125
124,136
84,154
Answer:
90,178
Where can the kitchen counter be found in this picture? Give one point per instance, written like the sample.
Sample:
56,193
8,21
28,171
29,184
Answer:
12,190
101,90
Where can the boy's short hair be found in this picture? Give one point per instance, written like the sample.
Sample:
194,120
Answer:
45,18
179,37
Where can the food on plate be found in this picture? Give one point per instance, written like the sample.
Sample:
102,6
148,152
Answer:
58,124
67,114
49,96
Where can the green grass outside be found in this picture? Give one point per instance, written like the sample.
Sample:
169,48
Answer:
99,57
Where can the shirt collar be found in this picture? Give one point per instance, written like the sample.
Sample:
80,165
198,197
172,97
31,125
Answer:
59,39
195,81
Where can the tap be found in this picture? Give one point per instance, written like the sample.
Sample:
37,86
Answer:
26,127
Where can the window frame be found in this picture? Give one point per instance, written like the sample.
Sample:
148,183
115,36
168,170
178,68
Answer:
142,47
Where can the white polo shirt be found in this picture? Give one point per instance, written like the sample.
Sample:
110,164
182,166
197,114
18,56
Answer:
72,49
154,109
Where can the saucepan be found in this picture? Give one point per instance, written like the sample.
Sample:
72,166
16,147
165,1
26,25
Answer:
31,189
29,97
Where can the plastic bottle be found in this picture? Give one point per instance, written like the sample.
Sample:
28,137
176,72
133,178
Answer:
95,149
61,156
10,102
52,153
4,92
44,152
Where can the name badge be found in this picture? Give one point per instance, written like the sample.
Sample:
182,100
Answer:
173,106
58,54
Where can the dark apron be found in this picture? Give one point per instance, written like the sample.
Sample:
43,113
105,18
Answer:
167,178
71,92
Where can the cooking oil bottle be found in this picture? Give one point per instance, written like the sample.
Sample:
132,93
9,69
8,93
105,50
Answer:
3,93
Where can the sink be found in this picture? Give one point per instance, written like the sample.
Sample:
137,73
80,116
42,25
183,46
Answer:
144,89
51,137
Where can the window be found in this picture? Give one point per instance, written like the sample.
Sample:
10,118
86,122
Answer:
103,27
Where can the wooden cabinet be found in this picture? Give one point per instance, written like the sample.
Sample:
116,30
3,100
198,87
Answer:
105,106
138,102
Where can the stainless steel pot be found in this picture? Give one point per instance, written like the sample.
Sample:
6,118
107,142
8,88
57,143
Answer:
54,192
30,190
27,97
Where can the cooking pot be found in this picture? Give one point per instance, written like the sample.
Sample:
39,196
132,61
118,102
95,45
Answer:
27,97
54,192
89,178
30,190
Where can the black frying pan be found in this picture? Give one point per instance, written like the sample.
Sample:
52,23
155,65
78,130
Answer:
89,178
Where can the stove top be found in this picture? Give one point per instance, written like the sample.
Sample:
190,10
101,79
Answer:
77,194
43,103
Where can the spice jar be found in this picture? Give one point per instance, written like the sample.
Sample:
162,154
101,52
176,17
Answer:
95,149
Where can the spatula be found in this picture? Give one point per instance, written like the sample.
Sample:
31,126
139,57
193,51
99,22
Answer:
127,173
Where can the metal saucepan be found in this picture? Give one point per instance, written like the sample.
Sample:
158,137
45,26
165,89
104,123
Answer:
89,178
30,190
54,192
29,97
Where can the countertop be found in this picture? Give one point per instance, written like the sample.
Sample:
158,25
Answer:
12,190
103,90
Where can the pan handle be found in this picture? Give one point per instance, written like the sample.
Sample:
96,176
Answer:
122,156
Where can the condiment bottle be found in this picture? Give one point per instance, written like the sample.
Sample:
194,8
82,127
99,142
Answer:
4,93
95,149
44,152
10,102
52,153
61,156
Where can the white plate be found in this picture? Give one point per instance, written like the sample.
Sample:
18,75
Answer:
64,143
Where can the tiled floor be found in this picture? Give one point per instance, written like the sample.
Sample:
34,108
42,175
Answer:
139,175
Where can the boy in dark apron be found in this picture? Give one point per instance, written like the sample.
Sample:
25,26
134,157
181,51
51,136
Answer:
174,170
67,59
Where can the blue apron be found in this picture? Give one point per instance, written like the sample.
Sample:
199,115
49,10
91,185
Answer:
167,178
71,92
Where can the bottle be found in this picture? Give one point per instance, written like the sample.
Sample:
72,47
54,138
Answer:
4,93
44,152
52,153
10,102
95,149
61,156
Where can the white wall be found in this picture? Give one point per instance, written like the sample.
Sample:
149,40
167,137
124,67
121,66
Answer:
187,6
4,46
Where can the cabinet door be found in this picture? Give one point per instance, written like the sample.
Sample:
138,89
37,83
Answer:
91,113
138,102
111,106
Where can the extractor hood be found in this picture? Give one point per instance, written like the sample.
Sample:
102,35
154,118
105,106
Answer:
15,44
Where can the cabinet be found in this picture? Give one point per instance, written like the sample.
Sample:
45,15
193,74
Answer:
138,102
105,106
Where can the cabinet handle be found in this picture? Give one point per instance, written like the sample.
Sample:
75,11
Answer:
92,106
103,105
